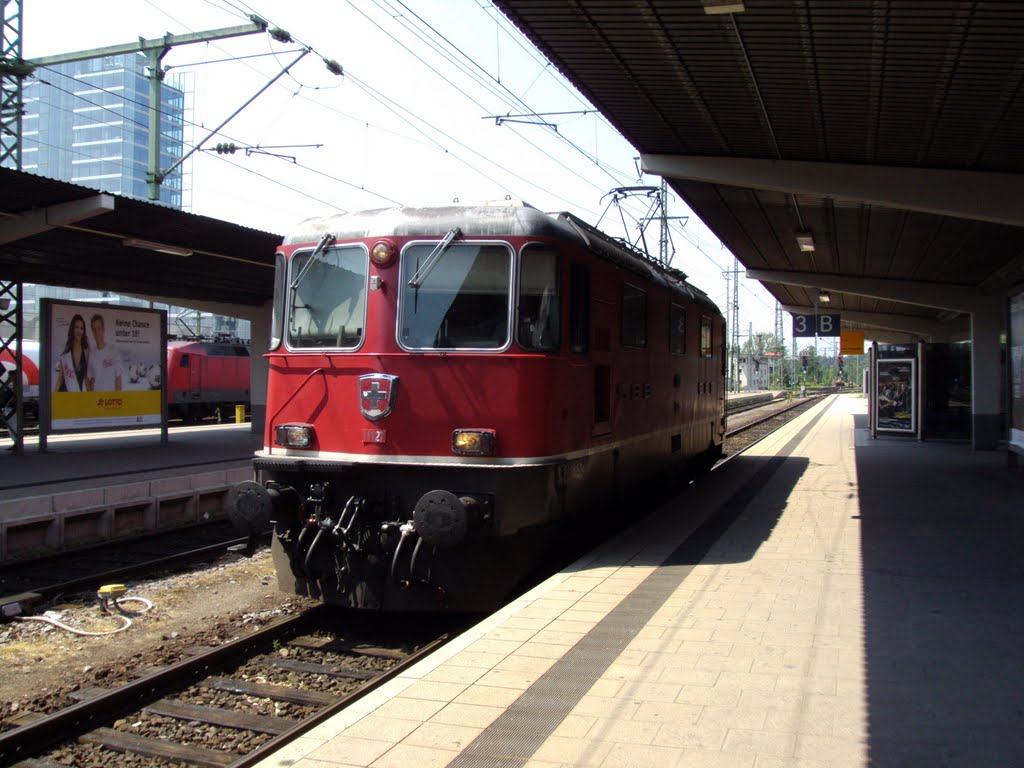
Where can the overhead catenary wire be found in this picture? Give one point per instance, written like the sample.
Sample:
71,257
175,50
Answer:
516,99
483,82
113,109
693,240
479,154
379,96
483,156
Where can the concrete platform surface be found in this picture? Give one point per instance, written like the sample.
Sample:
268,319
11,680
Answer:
93,487
78,461
823,600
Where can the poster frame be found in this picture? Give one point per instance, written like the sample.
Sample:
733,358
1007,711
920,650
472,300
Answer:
885,362
47,367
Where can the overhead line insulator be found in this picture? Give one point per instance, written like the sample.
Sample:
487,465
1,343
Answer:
281,35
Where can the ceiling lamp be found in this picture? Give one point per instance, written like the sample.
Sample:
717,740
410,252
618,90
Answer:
172,250
805,240
715,7
824,297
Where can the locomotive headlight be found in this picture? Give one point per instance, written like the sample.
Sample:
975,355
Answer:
474,442
382,253
294,435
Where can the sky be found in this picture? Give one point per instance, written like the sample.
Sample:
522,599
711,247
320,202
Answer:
411,121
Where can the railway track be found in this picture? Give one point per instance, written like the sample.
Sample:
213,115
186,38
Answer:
44,578
762,413
755,428
231,705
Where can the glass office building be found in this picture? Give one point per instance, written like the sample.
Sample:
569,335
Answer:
87,122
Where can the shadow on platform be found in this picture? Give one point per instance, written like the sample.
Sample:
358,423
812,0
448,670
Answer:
943,585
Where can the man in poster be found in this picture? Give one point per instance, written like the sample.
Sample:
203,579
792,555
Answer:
105,373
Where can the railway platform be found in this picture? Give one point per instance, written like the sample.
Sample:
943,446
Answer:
90,487
825,599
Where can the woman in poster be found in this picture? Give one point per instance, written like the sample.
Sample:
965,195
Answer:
73,362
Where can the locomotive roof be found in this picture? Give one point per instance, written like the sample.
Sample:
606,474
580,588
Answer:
503,218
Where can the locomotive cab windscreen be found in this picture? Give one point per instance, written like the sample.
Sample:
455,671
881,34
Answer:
327,306
455,298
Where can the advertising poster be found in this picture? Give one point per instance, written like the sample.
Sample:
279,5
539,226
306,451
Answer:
1016,348
894,389
104,366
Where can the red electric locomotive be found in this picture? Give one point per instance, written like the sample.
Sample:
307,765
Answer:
206,378
448,386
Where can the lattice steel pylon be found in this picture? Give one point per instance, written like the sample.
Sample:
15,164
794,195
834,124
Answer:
12,72
736,322
11,401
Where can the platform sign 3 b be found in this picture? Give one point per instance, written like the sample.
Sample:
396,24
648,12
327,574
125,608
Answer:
815,325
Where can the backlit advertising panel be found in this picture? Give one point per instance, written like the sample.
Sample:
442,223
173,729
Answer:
1015,344
894,388
103,366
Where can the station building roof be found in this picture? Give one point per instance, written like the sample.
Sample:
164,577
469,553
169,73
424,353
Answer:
57,233
888,132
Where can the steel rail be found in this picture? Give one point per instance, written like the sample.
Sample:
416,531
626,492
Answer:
770,416
89,581
20,743
269,747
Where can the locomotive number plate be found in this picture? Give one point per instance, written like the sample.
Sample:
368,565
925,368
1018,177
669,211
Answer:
375,436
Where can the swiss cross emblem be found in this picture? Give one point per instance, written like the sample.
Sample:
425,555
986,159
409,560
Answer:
377,395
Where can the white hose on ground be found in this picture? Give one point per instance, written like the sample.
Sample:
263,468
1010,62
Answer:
127,621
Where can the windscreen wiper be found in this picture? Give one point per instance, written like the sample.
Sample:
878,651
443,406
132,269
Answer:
326,240
431,261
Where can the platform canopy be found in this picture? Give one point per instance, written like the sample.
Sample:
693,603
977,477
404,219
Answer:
57,233
870,151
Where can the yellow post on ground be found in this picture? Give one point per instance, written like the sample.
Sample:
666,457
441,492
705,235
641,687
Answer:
239,414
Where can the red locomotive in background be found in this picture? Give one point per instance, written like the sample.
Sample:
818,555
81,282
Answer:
29,380
448,387
206,379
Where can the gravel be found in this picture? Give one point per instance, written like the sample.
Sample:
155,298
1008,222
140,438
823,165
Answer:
41,666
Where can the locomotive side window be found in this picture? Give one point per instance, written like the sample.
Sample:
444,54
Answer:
705,336
458,300
539,322
579,307
634,316
328,304
276,311
677,330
